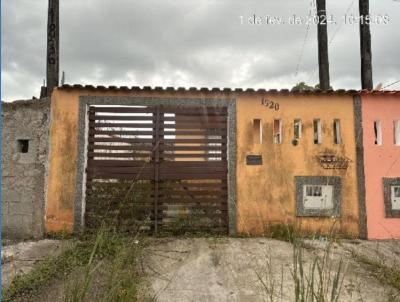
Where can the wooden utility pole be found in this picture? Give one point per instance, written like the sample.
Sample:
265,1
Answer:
323,58
365,46
53,46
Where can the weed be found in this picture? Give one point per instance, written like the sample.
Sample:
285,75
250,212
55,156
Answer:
324,279
284,232
25,285
389,275
91,253
60,235
321,281
271,285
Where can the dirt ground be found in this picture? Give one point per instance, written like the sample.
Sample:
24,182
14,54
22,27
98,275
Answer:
20,258
226,269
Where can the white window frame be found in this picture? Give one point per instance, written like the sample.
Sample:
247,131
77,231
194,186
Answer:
392,202
318,197
396,130
317,135
257,131
395,198
378,133
337,132
297,124
277,136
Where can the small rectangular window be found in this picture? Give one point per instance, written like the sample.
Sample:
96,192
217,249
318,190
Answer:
313,191
277,131
391,195
257,131
297,129
378,132
396,192
337,132
317,131
395,197
318,197
397,133
23,145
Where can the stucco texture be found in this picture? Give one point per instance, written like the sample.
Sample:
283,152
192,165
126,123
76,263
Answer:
266,193
380,161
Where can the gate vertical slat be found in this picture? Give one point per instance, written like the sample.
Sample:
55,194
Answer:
156,167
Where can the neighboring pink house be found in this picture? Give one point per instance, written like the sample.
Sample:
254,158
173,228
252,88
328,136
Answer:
381,148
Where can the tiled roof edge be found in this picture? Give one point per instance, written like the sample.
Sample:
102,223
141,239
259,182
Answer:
225,90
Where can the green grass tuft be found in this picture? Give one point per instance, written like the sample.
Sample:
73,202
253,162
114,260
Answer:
120,253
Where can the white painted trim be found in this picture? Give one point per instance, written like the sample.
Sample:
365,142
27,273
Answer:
378,132
396,132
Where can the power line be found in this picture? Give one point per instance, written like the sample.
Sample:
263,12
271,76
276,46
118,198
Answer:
334,35
390,85
341,23
310,13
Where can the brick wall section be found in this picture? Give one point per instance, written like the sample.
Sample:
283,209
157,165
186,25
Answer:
23,175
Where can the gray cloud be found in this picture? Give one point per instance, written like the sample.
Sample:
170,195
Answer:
188,43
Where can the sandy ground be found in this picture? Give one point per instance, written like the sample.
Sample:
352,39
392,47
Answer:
20,258
227,269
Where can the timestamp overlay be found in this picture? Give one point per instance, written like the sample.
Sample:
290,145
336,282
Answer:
350,19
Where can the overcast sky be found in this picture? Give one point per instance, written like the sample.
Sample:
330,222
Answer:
202,43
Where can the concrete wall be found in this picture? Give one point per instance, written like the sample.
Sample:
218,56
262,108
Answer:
23,176
380,162
266,194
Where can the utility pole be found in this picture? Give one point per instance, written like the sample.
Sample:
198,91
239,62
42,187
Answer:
53,46
323,58
365,46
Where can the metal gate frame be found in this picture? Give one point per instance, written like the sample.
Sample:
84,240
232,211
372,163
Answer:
86,101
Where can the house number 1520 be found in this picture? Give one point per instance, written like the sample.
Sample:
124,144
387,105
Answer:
270,104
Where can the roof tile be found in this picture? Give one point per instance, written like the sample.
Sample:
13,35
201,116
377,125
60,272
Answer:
228,90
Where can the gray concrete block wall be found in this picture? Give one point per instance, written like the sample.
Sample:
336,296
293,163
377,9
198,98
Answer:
23,174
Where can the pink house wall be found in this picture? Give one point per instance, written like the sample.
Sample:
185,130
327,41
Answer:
380,161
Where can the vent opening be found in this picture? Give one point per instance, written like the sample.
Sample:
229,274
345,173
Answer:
378,133
23,145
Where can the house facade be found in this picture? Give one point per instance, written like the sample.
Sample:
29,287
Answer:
287,148
381,145
308,175
245,161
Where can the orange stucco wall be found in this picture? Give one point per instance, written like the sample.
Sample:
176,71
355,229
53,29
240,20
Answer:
379,162
265,194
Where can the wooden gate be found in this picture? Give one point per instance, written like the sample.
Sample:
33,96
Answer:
157,168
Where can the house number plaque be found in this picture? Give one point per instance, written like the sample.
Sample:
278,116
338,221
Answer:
270,104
